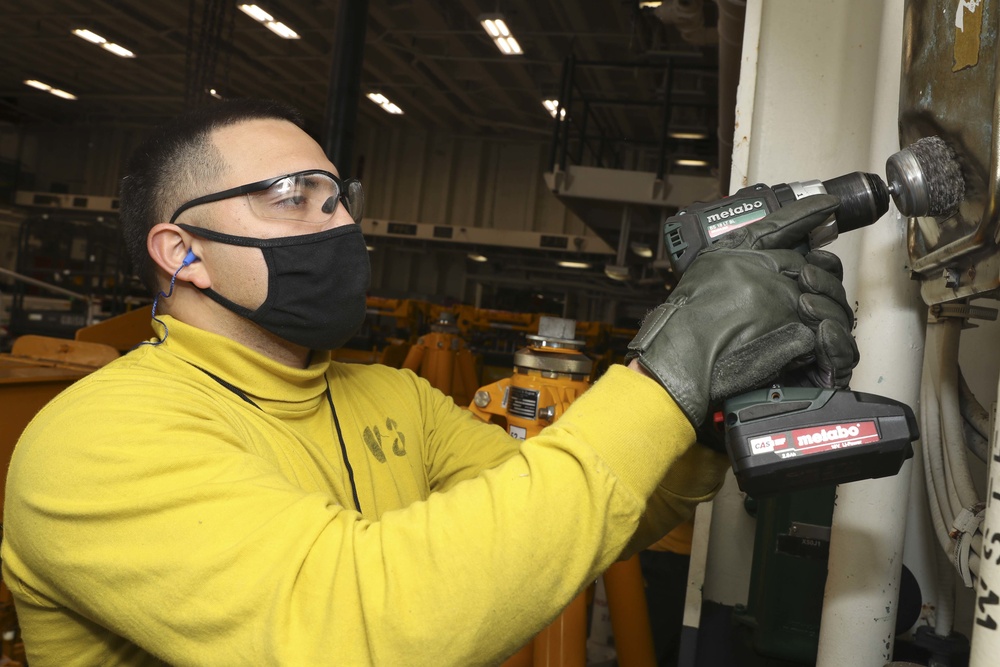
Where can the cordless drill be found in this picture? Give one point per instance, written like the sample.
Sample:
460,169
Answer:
781,439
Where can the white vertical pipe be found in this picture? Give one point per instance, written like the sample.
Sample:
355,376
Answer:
985,631
866,548
727,568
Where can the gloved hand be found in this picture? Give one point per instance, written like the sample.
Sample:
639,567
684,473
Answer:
749,308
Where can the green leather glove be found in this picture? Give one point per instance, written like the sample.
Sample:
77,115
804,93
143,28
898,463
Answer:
749,309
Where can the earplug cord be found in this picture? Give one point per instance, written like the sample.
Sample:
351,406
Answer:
190,257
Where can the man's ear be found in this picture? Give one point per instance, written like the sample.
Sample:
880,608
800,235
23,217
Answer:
171,248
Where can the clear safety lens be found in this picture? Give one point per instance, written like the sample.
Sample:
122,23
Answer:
306,197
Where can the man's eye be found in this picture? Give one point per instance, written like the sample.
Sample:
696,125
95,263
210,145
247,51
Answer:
294,201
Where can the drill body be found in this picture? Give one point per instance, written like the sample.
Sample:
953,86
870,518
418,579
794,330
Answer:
864,198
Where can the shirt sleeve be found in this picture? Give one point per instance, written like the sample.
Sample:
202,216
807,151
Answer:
458,445
141,512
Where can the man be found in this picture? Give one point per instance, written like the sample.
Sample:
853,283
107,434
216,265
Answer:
227,495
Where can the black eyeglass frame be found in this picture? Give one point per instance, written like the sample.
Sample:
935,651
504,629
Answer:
260,186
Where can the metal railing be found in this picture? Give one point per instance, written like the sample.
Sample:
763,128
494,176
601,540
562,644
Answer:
55,289
580,133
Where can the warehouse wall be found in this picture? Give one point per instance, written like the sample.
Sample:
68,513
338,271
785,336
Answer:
78,160
452,180
410,175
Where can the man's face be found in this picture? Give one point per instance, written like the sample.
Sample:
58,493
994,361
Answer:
254,151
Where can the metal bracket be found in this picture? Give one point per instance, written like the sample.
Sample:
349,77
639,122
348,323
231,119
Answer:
944,311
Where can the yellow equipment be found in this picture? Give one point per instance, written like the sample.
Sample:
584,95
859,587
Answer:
443,359
548,376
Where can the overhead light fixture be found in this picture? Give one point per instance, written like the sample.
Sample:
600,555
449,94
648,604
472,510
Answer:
256,13
41,85
214,93
687,162
281,30
63,94
552,106
103,42
119,51
261,16
369,247
649,4
573,265
693,136
496,27
476,257
641,249
91,37
383,101
616,272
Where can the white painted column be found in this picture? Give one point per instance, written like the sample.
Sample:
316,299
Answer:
869,521
825,89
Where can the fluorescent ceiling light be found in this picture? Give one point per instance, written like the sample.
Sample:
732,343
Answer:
476,257
63,94
551,106
91,37
256,13
686,162
41,85
94,38
277,27
497,29
383,101
281,30
119,51
688,135
574,265
649,4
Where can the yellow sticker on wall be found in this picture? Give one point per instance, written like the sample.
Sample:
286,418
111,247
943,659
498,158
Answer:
968,27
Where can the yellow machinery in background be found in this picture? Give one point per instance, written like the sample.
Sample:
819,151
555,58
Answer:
495,335
390,327
442,358
549,374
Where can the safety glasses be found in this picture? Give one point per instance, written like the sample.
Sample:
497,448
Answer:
306,196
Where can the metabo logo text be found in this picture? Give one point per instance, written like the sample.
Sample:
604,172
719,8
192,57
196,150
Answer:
832,434
733,211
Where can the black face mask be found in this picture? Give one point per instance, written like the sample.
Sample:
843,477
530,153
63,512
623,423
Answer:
316,285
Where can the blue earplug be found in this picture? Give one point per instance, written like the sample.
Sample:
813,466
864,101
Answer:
188,258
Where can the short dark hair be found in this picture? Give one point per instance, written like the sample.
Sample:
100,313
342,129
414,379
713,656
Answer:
171,160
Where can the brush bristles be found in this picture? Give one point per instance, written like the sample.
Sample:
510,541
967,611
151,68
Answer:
941,173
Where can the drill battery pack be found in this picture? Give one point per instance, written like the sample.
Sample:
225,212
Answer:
787,438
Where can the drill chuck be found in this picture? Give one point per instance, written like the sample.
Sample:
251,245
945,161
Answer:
864,198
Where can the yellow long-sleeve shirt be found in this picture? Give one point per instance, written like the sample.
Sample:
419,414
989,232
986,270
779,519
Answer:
153,514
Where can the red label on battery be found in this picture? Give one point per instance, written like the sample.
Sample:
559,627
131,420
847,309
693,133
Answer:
816,439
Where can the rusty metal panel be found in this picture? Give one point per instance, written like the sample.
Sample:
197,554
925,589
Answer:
949,88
